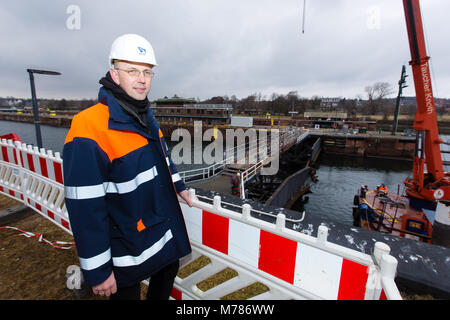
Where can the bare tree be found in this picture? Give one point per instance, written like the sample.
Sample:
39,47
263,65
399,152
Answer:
376,94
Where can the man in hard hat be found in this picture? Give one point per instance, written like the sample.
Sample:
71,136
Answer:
121,185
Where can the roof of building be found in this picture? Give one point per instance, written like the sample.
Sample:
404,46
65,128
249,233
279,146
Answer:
175,100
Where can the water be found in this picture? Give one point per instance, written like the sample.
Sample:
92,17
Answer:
340,177
52,137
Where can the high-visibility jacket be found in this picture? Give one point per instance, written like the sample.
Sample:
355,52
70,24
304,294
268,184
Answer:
121,195
381,189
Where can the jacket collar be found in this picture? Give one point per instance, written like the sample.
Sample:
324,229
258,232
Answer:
120,120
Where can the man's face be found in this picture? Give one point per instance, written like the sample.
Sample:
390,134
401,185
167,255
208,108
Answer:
136,86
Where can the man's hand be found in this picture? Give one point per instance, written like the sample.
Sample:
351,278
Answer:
107,287
185,195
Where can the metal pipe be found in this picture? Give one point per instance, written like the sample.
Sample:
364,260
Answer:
35,110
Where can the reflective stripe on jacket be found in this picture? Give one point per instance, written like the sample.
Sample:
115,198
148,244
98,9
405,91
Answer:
121,195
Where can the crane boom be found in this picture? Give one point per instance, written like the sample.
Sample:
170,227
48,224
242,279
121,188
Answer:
428,151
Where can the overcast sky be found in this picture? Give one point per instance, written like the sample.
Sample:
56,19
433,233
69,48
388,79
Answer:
207,48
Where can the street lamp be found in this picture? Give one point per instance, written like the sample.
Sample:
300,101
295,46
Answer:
34,101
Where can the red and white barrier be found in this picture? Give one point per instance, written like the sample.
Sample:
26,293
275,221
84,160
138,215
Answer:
311,264
42,163
10,181
34,177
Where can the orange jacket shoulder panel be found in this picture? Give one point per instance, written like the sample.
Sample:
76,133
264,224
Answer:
92,123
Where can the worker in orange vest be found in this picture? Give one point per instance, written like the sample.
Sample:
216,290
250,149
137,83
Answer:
382,189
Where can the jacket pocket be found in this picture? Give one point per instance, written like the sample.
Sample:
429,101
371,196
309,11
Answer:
148,220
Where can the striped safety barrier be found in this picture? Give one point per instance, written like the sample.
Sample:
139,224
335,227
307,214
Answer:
34,177
292,265
302,266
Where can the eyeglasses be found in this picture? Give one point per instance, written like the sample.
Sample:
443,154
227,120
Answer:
134,73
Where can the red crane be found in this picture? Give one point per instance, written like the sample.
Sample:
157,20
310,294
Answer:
435,183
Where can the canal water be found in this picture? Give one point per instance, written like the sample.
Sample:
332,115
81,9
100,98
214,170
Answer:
52,137
339,178
331,197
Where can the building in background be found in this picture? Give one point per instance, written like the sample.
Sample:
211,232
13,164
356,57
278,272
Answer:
180,110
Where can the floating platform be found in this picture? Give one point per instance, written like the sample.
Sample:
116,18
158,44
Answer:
393,214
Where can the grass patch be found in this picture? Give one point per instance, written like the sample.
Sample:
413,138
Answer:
194,266
247,292
216,279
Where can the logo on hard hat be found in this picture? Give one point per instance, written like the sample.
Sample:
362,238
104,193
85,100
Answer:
142,50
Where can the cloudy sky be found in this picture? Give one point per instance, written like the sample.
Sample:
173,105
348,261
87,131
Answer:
207,48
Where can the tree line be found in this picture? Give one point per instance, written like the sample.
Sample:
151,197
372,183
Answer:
374,102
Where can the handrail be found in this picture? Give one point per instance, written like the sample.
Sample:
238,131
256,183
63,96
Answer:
267,214
205,172
292,137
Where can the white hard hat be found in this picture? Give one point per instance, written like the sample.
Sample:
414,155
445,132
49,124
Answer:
132,47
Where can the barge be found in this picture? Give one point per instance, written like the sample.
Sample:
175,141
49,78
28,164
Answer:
392,213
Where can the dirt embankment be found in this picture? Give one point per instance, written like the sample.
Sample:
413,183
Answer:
30,269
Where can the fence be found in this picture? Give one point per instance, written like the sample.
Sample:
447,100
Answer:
256,151
34,177
292,265
287,139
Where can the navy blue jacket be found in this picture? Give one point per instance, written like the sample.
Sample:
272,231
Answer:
121,195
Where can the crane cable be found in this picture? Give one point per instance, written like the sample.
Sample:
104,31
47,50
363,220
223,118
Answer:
304,14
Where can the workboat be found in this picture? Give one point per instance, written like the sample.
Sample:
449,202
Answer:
393,213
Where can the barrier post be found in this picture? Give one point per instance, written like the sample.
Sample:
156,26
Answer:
241,180
322,234
388,271
192,194
246,211
216,202
388,267
281,221
379,250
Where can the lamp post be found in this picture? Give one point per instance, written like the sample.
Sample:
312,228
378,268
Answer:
34,101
